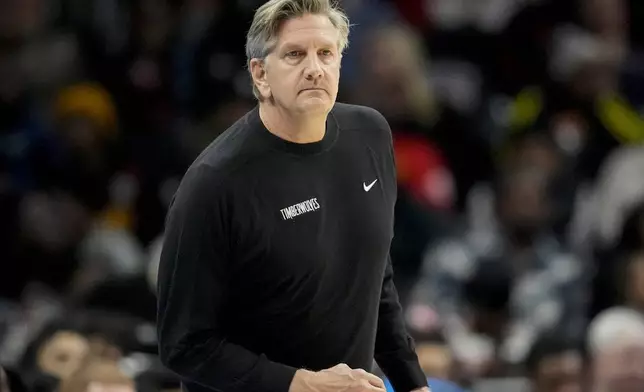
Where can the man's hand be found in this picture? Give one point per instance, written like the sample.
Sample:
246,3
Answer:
340,378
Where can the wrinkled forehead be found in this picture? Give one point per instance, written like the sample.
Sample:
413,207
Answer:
307,31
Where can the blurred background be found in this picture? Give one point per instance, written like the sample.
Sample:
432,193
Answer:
518,129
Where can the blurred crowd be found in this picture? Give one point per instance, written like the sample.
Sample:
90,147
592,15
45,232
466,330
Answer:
518,129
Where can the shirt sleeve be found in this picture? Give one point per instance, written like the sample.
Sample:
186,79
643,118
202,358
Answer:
395,351
192,287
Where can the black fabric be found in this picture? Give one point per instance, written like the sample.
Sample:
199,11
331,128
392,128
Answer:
276,257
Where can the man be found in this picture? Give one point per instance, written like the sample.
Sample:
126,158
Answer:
557,363
616,343
275,274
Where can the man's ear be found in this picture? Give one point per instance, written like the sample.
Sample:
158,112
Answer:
258,72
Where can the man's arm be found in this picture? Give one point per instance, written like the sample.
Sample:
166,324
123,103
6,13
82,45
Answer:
395,351
192,287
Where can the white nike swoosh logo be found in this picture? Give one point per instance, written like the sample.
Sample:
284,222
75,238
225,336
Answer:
368,187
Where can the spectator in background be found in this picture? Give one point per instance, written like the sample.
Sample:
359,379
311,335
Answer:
72,182
616,343
54,355
396,82
518,279
98,375
35,60
536,150
62,349
62,354
557,364
582,105
366,15
87,129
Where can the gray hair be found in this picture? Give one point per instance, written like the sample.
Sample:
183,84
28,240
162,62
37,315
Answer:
615,328
262,35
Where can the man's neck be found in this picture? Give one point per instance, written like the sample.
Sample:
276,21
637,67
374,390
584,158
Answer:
293,128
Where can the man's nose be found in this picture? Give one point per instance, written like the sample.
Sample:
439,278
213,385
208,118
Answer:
313,68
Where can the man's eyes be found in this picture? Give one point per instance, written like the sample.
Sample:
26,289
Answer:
299,53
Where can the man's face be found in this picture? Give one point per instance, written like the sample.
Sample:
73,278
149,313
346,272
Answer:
621,369
63,354
302,72
524,205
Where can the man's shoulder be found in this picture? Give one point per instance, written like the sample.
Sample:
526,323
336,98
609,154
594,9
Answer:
209,182
215,169
358,117
229,150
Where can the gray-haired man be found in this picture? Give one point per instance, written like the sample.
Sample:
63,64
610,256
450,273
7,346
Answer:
275,274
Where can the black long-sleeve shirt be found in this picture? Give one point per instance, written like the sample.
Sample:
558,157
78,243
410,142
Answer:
276,257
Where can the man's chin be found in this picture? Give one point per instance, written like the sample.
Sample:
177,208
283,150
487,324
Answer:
315,105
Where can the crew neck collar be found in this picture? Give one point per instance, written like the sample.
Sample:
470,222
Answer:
276,142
